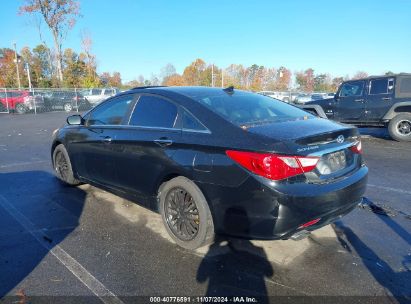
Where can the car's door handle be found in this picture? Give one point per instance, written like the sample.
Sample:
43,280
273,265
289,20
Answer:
359,100
163,142
386,98
107,139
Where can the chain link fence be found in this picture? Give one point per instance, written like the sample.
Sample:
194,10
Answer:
22,101
35,101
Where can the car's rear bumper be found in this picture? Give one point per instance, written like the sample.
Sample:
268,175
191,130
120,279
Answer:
260,209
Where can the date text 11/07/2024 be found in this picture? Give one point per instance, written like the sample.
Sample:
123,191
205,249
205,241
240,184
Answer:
203,299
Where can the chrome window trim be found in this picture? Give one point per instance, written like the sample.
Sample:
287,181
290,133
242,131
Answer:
131,127
334,149
196,131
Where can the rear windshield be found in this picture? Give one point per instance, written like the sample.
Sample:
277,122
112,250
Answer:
244,108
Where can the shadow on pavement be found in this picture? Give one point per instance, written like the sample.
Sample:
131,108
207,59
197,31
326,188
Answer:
375,132
32,224
220,267
397,283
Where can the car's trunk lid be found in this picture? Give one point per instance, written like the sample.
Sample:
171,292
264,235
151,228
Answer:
315,137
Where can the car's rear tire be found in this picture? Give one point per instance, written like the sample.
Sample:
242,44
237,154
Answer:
21,108
62,166
185,213
400,127
68,107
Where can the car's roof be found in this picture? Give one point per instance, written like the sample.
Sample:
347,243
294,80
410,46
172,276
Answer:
188,91
381,76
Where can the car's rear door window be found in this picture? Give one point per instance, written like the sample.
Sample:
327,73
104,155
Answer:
379,86
154,111
115,111
190,123
95,91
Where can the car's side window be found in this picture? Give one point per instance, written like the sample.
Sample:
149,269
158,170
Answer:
154,111
113,112
352,89
381,86
95,91
191,123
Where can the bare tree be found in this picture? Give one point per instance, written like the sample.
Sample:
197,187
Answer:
87,44
60,16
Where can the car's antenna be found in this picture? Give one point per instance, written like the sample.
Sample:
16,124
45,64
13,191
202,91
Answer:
229,90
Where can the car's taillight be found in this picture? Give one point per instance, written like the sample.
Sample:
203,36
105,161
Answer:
357,148
273,166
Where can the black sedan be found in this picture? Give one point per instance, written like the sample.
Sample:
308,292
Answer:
216,161
65,100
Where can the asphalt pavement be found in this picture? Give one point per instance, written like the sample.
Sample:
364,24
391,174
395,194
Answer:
85,245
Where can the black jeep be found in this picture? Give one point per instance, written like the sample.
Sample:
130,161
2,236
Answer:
377,101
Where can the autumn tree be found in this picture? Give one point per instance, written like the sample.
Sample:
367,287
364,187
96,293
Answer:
92,79
360,75
167,71
60,17
195,74
74,68
41,67
111,80
305,80
8,74
283,79
174,80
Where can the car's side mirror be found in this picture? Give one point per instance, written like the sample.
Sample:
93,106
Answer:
75,120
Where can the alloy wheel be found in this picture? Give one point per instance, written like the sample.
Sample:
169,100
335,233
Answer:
404,127
61,165
182,215
68,107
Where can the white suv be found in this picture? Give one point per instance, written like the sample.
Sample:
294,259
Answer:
97,95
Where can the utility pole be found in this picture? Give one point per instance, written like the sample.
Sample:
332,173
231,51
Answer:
17,65
27,68
212,75
222,77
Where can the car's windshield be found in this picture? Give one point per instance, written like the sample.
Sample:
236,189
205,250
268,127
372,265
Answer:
244,108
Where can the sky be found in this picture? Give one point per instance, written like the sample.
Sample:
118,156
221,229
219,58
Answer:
139,37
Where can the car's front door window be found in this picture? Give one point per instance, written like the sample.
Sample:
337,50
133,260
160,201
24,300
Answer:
113,112
352,89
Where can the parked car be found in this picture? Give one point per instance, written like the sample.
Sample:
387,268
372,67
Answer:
66,100
302,99
378,101
294,96
284,96
21,101
213,160
316,97
97,95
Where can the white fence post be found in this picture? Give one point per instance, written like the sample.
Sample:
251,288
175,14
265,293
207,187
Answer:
7,101
75,90
34,99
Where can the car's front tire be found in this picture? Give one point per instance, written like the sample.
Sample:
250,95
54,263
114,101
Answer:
185,213
68,107
21,108
62,166
400,127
